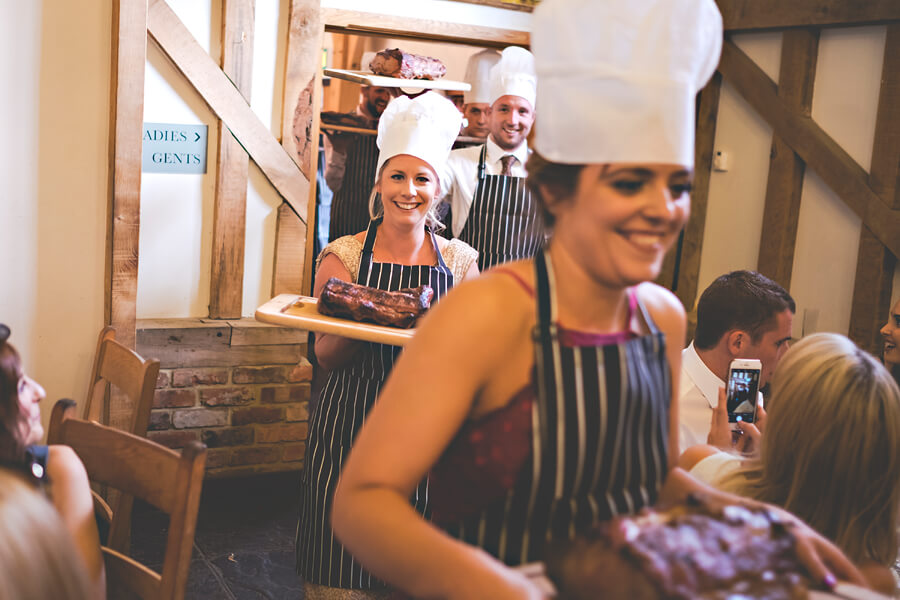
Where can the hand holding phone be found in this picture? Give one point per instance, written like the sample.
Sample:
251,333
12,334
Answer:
742,390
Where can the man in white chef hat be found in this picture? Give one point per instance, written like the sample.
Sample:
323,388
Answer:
476,102
351,158
491,209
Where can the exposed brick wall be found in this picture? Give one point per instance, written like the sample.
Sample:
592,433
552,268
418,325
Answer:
251,418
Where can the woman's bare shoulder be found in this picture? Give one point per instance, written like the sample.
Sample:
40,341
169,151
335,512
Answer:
664,307
63,462
495,301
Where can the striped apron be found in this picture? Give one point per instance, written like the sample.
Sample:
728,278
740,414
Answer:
348,395
599,439
504,222
350,205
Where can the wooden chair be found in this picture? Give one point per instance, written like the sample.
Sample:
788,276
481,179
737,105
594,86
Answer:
143,469
122,367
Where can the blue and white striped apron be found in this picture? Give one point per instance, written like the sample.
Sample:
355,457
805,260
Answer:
599,439
504,221
349,393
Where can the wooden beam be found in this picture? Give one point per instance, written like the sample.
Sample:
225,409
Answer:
299,128
745,15
875,264
129,55
871,292
692,245
884,175
300,136
784,186
290,253
227,103
820,152
526,5
232,170
365,23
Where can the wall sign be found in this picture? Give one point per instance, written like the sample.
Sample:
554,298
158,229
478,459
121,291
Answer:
172,148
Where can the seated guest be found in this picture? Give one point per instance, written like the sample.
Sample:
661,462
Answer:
398,250
741,314
36,551
891,334
829,452
55,469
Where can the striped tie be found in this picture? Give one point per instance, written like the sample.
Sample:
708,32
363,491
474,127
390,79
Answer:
506,164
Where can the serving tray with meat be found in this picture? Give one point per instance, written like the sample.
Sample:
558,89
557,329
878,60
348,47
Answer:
690,551
401,309
393,62
370,305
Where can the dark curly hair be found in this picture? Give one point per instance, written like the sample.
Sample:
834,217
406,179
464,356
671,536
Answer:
12,451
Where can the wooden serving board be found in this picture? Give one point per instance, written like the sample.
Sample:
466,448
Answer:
369,78
291,310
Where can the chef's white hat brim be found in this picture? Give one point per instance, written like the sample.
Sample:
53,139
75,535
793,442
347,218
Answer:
514,75
424,127
636,121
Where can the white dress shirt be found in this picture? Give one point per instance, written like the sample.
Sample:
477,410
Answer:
697,397
460,177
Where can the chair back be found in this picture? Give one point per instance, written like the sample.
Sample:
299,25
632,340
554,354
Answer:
119,366
143,469
128,371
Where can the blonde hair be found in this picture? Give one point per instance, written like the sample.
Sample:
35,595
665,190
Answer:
38,559
831,449
431,217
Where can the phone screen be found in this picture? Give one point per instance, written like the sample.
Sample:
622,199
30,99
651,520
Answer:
743,386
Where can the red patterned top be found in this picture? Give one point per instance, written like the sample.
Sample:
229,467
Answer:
485,458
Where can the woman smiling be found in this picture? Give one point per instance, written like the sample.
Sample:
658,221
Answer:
398,250
562,409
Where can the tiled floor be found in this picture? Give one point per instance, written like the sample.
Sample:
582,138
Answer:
244,546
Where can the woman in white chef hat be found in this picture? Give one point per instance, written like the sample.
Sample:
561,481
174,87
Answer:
561,410
398,250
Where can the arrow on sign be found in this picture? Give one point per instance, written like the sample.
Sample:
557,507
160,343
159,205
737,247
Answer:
197,139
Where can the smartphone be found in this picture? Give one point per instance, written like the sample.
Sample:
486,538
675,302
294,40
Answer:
742,390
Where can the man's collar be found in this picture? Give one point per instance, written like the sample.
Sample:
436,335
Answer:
707,381
495,152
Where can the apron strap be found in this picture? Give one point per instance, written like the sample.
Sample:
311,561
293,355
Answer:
545,334
481,159
437,250
645,315
365,259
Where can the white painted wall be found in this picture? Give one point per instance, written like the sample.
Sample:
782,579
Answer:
845,99
177,210
20,39
54,116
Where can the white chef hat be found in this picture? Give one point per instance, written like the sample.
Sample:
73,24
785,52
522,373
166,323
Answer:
514,75
478,75
618,83
425,127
